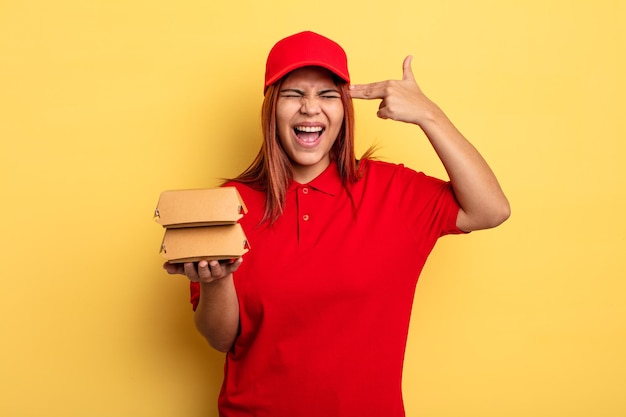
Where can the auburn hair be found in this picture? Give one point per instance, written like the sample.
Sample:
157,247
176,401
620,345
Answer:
271,170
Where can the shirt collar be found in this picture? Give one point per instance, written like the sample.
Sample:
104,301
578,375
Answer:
327,182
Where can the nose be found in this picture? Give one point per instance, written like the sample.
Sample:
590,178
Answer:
310,105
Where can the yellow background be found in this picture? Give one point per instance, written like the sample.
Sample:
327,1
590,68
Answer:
104,104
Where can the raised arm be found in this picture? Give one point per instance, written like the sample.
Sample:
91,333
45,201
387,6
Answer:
217,314
482,203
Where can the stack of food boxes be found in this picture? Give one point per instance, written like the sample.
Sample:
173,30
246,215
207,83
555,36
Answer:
201,224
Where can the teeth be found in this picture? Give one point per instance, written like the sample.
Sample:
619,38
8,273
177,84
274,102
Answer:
309,129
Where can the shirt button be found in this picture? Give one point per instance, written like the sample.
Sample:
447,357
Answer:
305,191
305,217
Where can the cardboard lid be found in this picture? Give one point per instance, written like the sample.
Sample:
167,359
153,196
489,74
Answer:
193,244
199,207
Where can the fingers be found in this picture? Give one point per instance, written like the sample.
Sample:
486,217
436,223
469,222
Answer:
378,90
370,91
190,271
207,270
204,271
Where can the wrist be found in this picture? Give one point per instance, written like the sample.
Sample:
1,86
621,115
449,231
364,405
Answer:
431,115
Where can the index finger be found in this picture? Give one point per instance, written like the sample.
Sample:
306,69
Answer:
369,91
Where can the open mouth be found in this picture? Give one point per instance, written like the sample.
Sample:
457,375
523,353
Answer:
308,134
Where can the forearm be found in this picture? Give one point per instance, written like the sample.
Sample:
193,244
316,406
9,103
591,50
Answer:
482,201
217,314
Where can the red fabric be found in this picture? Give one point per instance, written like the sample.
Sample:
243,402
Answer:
325,300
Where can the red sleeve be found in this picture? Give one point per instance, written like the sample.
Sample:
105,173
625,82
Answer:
194,289
451,207
427,204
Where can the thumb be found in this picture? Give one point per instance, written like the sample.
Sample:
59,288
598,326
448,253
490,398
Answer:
407,72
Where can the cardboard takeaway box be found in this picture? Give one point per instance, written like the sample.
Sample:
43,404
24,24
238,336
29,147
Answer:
201,224
193,244
201,207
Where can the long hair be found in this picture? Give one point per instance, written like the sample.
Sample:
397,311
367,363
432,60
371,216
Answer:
271,170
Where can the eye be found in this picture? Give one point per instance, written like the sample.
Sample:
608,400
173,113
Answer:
291,93
329,94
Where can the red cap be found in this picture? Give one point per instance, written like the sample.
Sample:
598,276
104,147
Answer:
302,50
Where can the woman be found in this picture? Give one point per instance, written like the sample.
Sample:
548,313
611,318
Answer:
315,321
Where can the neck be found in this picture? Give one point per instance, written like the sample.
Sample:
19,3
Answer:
306,174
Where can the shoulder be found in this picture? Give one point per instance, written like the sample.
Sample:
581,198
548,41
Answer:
246,190
400,178
376,170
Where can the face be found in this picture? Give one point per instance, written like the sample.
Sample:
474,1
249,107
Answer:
309,116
